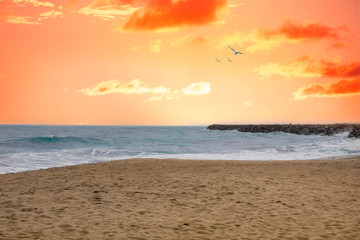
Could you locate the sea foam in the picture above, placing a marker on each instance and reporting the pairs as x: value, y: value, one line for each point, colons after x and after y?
x: 25, y: 148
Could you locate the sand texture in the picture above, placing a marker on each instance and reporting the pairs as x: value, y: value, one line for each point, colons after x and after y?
x: 184, y: 199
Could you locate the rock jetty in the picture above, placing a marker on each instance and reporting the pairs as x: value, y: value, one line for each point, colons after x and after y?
x: 302, y: 129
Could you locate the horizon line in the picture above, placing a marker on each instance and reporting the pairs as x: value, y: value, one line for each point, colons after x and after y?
x: 175, y: 125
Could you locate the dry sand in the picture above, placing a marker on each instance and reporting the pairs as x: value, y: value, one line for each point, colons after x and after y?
x: 184, y: 199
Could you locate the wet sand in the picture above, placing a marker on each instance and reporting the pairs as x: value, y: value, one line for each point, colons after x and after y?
x: 184, y: 199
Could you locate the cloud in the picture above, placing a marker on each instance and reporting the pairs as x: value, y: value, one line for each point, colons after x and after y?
x: 301, y: 31
x: 235, y: 5
x: 35, y: 3
x: 108, y: 9
x: 333, y: 69
x: 171, y: 95
x: 32, y: 21
x: 255, y: 43
x: 264, y: 40
x: 306, y: 67
x: 50, y: 14
x: 200, y: 88
x: 114, y: 86
x: 155, y: 46
x: 260, y: 44
x: 21, y: 20
x: 138, y: 87
x: 168, y: 14
x: 188, y: 39
x: 300, y: 67
x: 341, y: 88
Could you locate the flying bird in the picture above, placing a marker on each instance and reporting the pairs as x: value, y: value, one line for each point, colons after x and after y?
x: 217, y: 60
x: 229, y: 60
x: 236, y: 52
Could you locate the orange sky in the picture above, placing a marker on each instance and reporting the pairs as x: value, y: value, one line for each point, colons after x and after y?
x: 153, y: 62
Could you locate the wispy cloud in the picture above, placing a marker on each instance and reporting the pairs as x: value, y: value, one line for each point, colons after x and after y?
x: 341, y: 88
x: 50, y: 14
x: 32, y: 20
x: 199, y: 88
x: 167, y: 14
x: 263, y: 40
x: 235, y: 5
x: 115, y: 86
x: 107, y: 9
x: 300, y: 67
x: 188, y: 39
x: 35, y: 3
x: 307, y: 67
x: 22, y: 20
x: 302, y: 31
x: 138, y: 87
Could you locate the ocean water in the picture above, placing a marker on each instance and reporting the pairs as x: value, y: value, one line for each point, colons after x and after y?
x: 25, y: 147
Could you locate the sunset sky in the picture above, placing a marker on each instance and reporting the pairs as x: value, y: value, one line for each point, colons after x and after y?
x: 154, y: 62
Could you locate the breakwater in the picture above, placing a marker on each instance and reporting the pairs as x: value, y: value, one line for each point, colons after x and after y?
x: 302, y: 129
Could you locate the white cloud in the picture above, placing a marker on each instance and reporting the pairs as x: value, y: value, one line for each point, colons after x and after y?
x: 200, y: 88
x: 31, y: 21
x: 155, y: 98
x: 115, y: 86
x: 50, y: 14
x: 235, y: 5
x: 107, y: 11
x: 138, y: 87
x: 21, y: 20
x: 35, y: 3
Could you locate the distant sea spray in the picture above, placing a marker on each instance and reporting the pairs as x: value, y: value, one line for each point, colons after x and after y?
x: 30, y: 147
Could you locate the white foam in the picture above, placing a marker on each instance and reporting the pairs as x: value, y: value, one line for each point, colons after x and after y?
x: 194, y: 143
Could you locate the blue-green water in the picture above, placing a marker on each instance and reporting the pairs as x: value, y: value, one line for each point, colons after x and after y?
x: 28, y: 147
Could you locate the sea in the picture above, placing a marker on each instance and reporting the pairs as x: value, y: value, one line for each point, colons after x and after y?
x: 31, y: 147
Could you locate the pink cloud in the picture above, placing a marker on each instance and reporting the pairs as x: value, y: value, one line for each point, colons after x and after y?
x: 344, y: 87
x: 163, y: 14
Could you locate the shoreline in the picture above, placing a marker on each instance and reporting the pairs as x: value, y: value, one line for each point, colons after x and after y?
x: 184, y: 199
x: 179, y: 159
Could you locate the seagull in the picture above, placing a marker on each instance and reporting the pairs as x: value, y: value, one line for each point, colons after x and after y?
x: 229, y: 60
x: 236, y: 52
x: 217, y: 60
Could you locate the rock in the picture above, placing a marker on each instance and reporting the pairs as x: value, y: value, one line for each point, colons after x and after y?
x: 303, y: 129
x: 355, y: 132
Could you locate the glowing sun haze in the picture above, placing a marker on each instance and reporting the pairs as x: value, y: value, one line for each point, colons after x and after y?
x: 168, y: 62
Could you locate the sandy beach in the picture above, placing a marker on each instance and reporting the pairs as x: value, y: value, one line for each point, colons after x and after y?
x: 184, y: 199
